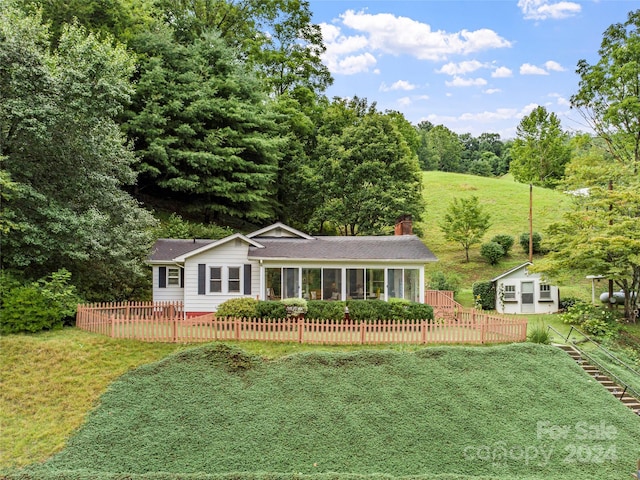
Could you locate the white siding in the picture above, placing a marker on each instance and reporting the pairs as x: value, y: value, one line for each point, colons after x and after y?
x: 231, y: 254
x: 514, y: 307
x: 172, y: 293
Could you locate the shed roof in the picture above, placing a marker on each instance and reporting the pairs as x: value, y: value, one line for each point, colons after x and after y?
x: 514, y: 269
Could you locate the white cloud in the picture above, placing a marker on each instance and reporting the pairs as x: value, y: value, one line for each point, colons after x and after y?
x: 554, y: 66
x: 461, y: 68
x: 353, y: 64
x: 339, y: 48
x: 404, y: 36
x: 466, y: 82
x: 502, y: 72
x: 528, y: 69
x: 491, y: 91
x: 546, y: 9
x: 404, y: 101
x: 399, y: 85
x: 560, y: 100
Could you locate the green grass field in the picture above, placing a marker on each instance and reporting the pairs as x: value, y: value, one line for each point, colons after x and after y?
x: 493, y: 411
x: 508, y: 204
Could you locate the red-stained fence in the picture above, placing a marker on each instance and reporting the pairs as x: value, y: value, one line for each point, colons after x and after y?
x: 166, y: 322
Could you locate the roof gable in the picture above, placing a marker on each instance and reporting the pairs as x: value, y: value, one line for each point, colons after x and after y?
x: 514, y: 269
x: 178, y: 250
x: 217, y: 243
x: 279, y: 230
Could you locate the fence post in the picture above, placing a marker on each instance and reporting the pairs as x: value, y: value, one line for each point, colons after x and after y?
x: 237, y: 328
x: 174, y: 322
x: 483, y: 332
x: 423, y: 331
x: 362, y: 331
x: 300, y: 329
x: 113, y: 326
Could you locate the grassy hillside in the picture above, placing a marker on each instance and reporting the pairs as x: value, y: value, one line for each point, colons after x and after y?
x: 52, y: 379
x: 467, y: 411
x: 508, y: 204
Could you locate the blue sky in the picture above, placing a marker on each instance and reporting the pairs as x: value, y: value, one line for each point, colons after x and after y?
x: 474, y: 66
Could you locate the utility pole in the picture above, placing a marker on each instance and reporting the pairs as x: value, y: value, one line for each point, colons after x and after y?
x: 531, y: 222
x: 610, y: 223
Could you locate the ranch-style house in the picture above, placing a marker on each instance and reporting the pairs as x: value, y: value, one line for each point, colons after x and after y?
x: 280, y: 262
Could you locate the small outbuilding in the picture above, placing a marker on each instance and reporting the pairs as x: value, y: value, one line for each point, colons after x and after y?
x: 520, y: 291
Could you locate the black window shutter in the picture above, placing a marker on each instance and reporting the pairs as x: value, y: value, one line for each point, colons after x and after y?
x: 162, y: 277
x: 202, y: 278
x: 247, y: 279
x: 182, y: 278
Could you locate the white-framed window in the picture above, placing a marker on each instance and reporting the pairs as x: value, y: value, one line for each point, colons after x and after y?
x: 545, y: 292
x: 215, y: 279
x: 509, y: 292
x: 234, y: 280
x: 173, y: 276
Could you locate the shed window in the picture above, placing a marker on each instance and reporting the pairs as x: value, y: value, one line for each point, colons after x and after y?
x: 509, y: 292
x: 545, y: 292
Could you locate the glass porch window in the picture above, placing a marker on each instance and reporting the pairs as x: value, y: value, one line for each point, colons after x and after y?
x: 355, y: 283
x: 412, y: 284
x: 311, y: 283
x: 331, y: 283
x: 395, y: 278
x: 375, y: 283
x: 291, y: 282
x: 273, y: 281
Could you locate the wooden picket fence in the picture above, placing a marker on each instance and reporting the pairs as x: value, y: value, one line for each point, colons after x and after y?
x: 167, y: 322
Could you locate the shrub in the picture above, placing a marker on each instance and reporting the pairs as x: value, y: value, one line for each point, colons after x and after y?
x: 539, y: 334
x: 567, y: 302
x: 271, y: 309
x: 492, y: 251
x: 485, y: 295
x: 324, y: 310
x: 506, y: 242
x: 245, y: 307
x: 295, y: 306
x: 440, y: 281
x: 591, y: 319
x: 537, y: 242
x: 43, y: 305
x: 366, y: 310
x: 401, y: 309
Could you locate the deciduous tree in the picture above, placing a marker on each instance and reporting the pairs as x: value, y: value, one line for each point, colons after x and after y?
x: 369, y: 174
x: 540, y: 151
x: 68, y: 159
x: 465, y: 222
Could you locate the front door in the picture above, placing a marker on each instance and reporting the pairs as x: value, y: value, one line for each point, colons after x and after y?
x: 527, y: 298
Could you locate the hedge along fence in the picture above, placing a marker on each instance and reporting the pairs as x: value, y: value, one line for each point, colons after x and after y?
x: 162, y: 323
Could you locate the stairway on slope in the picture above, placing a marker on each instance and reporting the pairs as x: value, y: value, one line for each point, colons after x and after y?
x: 615, y: 389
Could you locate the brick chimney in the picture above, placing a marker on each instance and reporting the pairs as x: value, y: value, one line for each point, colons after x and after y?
x: 404, y: 225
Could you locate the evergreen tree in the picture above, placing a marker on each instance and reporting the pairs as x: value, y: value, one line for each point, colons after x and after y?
x: 203, y: 129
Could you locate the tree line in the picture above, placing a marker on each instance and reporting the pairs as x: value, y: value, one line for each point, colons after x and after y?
x: 115, y: 113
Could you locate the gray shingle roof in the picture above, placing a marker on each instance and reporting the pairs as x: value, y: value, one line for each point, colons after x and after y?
x: 401, y: 247
x: 166, y: 249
